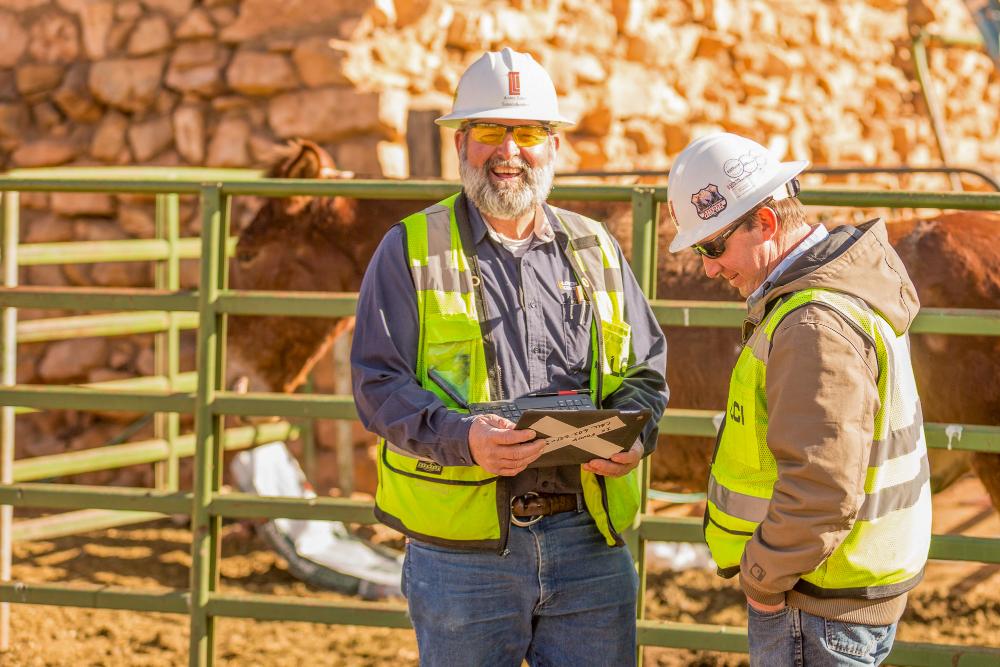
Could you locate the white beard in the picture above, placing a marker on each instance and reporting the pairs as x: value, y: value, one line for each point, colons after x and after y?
x: 511, y: 199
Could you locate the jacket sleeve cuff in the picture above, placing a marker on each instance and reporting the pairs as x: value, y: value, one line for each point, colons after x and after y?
x: 758, y: 595
x: 455, y: 438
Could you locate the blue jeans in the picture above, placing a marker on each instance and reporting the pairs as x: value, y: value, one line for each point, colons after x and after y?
x: 794, y: 637
x: 560, y: 597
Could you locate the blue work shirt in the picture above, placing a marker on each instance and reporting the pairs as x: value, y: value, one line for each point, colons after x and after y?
x: 542, y: 337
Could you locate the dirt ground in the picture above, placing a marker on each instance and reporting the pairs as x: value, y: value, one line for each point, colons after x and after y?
x: 958, y: 603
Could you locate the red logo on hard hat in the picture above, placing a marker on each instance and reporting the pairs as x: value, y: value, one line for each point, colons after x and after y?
x: 514, y: 83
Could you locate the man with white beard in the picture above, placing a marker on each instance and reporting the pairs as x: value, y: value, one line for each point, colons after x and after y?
x: 491, y: 295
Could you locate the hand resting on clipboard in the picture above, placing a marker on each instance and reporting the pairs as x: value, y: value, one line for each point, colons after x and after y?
x: 574, y: 437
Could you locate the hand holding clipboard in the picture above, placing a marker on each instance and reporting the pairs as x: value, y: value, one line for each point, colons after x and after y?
x: 574, y: 437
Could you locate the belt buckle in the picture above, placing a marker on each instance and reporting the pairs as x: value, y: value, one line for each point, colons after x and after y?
x: 519, y: 522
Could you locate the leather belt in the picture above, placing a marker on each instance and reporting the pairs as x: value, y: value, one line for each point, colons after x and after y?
x: 529, y: 508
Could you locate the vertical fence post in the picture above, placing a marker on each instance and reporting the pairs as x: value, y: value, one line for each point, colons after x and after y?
x: 8, y: 376
x: 205, y: 528
x: 307, y: 434
x: 345, y: 441
x: 167, y: 344
x: 645, y: 216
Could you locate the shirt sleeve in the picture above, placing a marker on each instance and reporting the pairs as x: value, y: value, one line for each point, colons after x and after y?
x: 822, y: 398
x: 389, y: 399
x: 645, y: 381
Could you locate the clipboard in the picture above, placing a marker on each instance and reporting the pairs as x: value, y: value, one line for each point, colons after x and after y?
x: 577, y: 436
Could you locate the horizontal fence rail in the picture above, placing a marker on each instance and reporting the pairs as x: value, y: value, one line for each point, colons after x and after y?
x: 130, y: 250
x: 669, y: 312
x: 207, y: 309
x: 675, y: 421
x: 377, y: 189
x: 82, y: 298
x: 143, y: 451
x: 109, y: 324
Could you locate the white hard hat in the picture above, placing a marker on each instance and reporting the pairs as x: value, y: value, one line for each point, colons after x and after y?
x: 505, y: 84
x: 718, y: 178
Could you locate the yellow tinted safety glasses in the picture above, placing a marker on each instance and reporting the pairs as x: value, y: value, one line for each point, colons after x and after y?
x: 492, y: 134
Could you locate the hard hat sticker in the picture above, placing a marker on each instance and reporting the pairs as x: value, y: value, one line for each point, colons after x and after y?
x: 514, y: 83
x: 742, y: 169
x: 708, y: 202
x: 513, y: 97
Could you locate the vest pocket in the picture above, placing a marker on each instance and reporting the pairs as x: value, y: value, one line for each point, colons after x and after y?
x: 624, y: 498
x: 726, y: 543
x: 455, y: 503
x: 449, y: 348
x: 739, y: 442
x: 617, y: 346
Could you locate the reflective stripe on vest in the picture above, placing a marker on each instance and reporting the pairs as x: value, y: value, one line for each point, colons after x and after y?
x: 460, y: 505
x: 885, y: 552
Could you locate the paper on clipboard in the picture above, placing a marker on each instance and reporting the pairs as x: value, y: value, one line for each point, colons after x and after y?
x: 577, y: 436
x: 585, y: 437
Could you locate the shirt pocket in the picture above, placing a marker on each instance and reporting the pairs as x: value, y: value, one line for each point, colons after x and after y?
x: 576, y: 321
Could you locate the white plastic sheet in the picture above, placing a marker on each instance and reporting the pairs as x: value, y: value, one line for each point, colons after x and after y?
x: 323, y: 553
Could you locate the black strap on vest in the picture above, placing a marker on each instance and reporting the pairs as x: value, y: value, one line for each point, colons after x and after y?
x: 503, y: 484
x: 493, y: 372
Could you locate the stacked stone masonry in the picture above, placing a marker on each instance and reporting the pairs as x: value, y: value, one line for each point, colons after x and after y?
x: 227, y: 82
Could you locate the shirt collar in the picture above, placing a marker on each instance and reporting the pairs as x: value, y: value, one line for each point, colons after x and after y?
x: 543, y: 230
x: 817, y: 234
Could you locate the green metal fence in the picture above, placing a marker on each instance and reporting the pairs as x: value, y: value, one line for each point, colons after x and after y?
x: 166, y: 309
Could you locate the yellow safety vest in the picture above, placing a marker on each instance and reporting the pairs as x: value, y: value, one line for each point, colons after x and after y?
x: 885, y: 552
x: 466, y: 506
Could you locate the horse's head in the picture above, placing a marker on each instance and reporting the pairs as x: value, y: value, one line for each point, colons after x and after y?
x: 303, y: 243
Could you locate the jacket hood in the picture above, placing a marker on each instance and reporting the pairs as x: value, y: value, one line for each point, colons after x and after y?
x: 854, y: 260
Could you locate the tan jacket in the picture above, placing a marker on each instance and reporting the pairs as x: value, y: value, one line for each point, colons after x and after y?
x: 822, y: 400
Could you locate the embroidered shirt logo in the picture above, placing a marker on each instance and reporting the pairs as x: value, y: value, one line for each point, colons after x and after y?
x: 513, y: 83
x: 708, y: 202
x: 430, y: 467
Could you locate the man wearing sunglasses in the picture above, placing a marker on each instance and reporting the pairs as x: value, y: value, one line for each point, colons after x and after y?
x: 819, y: 495
x: 490, y: 295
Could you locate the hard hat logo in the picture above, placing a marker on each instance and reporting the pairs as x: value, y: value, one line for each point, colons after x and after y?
x: 513, y: 83
x: 708, y: 202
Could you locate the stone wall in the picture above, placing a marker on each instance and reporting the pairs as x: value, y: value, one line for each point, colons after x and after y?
x: 220, y: 82
x: 226, y: 82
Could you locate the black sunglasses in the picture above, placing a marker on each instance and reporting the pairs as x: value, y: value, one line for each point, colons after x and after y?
x: 713, y: 249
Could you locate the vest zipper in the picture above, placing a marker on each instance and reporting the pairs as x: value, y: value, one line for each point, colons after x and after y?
x: 601, y: 482
x: 502, y: 550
